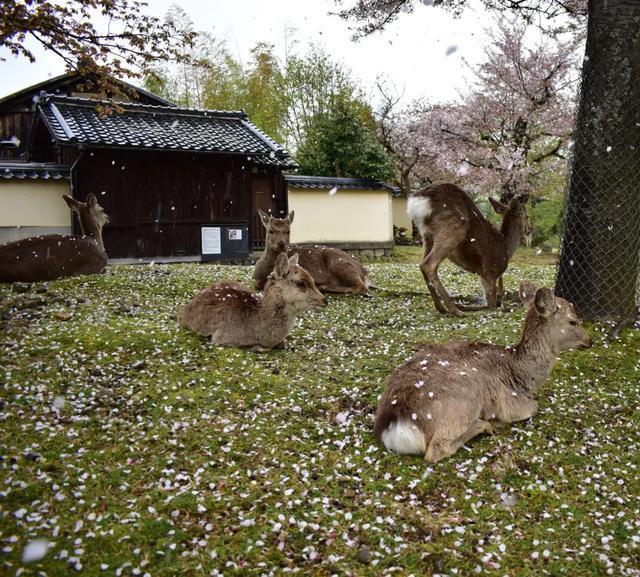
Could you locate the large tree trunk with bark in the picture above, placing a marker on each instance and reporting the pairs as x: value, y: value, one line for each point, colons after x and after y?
x: 600, y: 254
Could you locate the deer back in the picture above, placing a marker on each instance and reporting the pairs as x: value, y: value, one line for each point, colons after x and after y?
x: 49, y: 257
x: 232, y: 315
x: 226, y: 311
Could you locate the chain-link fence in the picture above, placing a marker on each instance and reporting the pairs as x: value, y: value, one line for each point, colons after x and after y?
x: 599, y: 262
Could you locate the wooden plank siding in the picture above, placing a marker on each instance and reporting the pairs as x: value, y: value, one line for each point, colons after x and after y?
x: 15, y: 123
x: 158, y: 201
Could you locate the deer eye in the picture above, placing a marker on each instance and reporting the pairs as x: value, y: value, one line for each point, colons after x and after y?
x: 301, y: 284
x: 573, y: 323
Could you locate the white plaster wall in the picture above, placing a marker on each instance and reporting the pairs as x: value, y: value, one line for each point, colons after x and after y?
x: 346, y: 216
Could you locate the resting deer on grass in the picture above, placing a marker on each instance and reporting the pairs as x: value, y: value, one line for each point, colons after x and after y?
x: 333, y: 270
x: 55, y: 255
x: 232, y: 315
x: 449, y: 393
x: 453, y: 227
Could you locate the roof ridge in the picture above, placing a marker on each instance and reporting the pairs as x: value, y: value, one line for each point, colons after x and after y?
x: 151, y: 108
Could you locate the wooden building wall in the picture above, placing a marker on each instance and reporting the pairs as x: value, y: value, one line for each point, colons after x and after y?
x: 158, y: 201
x: 15, y: 123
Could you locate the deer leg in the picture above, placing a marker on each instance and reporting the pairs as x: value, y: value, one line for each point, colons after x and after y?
x: 491, y: 296
x: 520, y: 410
x: 429, y: 268
x: 438, y: 449
x: 348, y: 277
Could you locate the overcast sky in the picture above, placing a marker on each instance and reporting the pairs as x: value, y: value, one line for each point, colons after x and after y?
x: 422, y: 54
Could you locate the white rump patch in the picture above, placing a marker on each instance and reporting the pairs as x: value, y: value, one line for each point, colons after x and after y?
x: 419, y: 208
x: 404, y: 438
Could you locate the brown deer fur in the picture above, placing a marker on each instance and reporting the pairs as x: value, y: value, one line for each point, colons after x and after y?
x: 232, y: 315
x: 53, y: 256
x: 449, y: 393
x: 333, y: 270
x: 453, y: 227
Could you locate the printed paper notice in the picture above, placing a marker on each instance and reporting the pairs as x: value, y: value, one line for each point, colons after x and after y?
x: 235, y: 234
x: 211, y: 240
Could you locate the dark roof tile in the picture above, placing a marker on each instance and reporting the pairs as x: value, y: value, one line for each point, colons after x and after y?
x: 77, y: 121
x: 328, y: 182
x: 33, y: 171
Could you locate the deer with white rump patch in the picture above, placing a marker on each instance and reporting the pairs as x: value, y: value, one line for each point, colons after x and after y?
x: 453, y: 227
x: 53, y: 256
x: 449, y: 393
x: 333, y: 270
x: 232, y: 315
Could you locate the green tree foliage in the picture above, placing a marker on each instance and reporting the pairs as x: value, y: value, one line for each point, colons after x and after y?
x: 339, y: 142
x: 310, y: 102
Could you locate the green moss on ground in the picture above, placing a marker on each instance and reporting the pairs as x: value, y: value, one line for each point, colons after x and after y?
x: 222, y: 461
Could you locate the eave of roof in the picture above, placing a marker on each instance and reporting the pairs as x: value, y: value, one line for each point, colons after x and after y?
x: 33, y: 171
x: 329, y: 182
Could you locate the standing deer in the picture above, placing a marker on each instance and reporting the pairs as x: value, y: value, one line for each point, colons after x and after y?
x: 55, y: 255
x: 453, y: 227
x: 232, y: 315
x: 333, y: 270
x: 449, y: 393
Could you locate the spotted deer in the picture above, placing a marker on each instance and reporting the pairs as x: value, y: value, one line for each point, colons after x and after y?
x: 449, y: 393
x: 232, y: 315
x: 333, y: 270
x: 52, y: 256
x: 453, y: 227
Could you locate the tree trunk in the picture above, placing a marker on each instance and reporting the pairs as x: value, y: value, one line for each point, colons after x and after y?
x: 600, y: 255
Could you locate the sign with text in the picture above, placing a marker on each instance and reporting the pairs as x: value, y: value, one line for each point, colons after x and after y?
x: 225, y: 241
x: 211, y: 240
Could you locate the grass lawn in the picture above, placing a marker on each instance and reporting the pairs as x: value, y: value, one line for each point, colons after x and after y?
x: 137, y: 448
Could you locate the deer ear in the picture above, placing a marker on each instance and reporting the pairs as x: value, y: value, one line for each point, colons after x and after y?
x: 264, y: 217
x: 527, y: 291
x: 545, y: 302
x: 293, y: 259
x: 291, y: 215
x: 92, y: 201
x: 72, y: 202
x: 498, y: 206
x: 282, y: 266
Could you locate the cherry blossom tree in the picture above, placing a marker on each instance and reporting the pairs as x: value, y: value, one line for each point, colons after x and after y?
x: 512, y: 125
x: 517, y: 118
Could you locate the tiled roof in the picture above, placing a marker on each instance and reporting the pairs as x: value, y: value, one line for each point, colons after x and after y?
x: 33, y: 171
x: 329, y: 182
x: 77, y: 121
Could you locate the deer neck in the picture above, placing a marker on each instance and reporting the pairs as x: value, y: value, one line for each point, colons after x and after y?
x: 533, y: 358
x: 275, y: 317
x: 265, y: 264
x: 511, y: 232
x: 92, y: 230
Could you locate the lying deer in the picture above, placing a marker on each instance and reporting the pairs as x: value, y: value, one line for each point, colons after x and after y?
x: 453, y: 227
x: 333, y: 270
x: 54, y: 255
x: 232, y: 315
x: 449, y: 393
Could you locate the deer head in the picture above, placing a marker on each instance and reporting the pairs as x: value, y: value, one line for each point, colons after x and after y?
x: 91, y: 215
x: 514, y: 214
x: 278, y: 231
x: 554, y: 316
x: 296, y: 285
